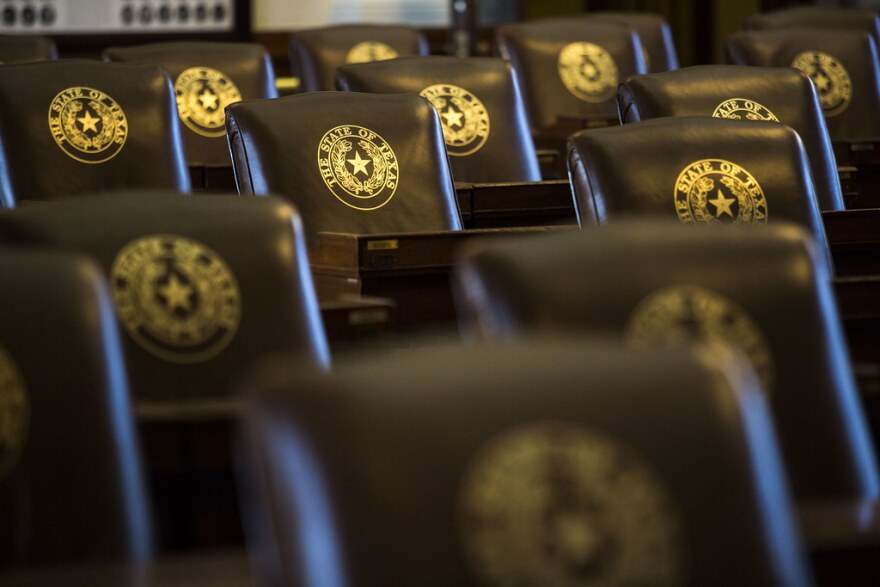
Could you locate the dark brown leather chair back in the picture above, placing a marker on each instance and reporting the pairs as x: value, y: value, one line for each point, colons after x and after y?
x: 842, y: 64
x: 570, y: 68
x: 655, y: 34
x: 697, y: 170
x: 762, y: 290
x: 524, y: 464
x: 741, y: 93
x: 350, y: 162
x: 73, y: 127
x: 26, y: 49
x: 203, y: 287
x: 207, y: 77
x: 316, y: 53
x: 819, y: 18
x: 71, y: 487
x: 481, y: 109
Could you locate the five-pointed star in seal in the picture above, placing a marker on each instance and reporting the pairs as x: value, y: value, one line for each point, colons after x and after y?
x: 722, y: 205
x: 176, y: 294
x: 452, y: 117
x: 88, y: 122
x: 208, y: 99
x: 822, y: 82
x: 359, y: 164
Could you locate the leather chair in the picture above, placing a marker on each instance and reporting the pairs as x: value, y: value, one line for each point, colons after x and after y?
x: 204, y: 287
x: 762, y: 290
x: 316, y: 53
x: 819, y: 18
x: 73, y: 127
x: 26, y: 49
x: 655, y: 34
x: 842, y: 64
x: 71, y: 487
x: 480, y: 106
x: 207, y: 77
x: 350, y: 162
x: 549, y: 468
x: 570, y: 68
x: 742, y: 93
x: 697, y: 170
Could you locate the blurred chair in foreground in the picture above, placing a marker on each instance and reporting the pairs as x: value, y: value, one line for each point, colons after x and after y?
x: 741, y: 93
x: 203, y: 289
x: 551, y: 467
x: 26, y: 49
x: 75, y: 127
x: 71, y: 487
x: 207, y: 77
x: 350, y: 162
x: 762, y: 290
x: 480, y: 106
x: 316, y: 53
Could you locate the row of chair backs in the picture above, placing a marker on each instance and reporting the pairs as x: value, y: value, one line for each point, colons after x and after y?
x: 315, y: 54
x: 206, y: 78
x: 440, y: 478
x: 480, y: 106
x: 723, y: 91
x: 764, y: 291
x: 842, y: 64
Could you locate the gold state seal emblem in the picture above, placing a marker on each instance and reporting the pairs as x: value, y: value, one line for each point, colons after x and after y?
x: 358, y: 166
x: 14, y: 414
x: 87, y: 124
x: 370, y: 51
x: 718, y: 191
x: 588, y: 72
x: 552, y: 503
x: 464, y: 118
x: 742, y: 109
x: 176, y: 297
x: 831, y: 79
x: 681, y: 314
x: 202, y: 96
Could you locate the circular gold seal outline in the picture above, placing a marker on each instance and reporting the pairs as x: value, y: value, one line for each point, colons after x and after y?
x: 367, y: 51
x: 743, y: 109
x: 202, y: 95
x: 87, y: 124
x: 358, y: 166
x: 830, y: 77
x: 464, y: 118
x: 588, y: 71
x: 14, y: 414
x: 718, y: 191
x: 680, y: 314
x: 177, y: 298
x: 555, y: 503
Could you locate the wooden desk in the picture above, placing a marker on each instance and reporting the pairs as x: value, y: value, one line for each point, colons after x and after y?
x: 501, y: 205
x: 413, y: 269
x: 859, y: 169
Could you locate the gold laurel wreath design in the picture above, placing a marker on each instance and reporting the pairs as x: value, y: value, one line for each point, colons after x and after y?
x: 347, y: 179
x: 746, y: 205
x: 77, y: 137
x: 703, y: 186
x: 467, y: 133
